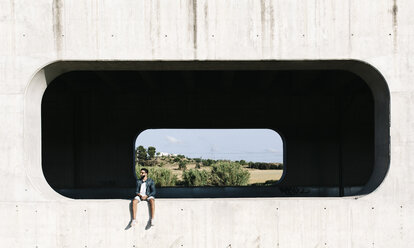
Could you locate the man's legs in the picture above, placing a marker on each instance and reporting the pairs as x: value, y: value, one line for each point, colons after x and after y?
x: 152, y: 204
x: 134, y: 208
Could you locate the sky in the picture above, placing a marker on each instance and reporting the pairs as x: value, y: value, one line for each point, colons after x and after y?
x: 256, y: 145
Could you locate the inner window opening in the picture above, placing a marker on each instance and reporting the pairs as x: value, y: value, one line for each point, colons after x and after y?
x: 210, y: 157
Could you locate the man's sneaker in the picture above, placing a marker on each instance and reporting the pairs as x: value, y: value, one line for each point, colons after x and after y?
x: 152, y: 222
x: 133, y: 222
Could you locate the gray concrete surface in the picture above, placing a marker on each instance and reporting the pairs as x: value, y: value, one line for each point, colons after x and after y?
x: 37, y: 33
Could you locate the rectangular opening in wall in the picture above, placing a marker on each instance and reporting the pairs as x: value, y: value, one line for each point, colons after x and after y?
x: 210, y: 157
x: 333, y: 117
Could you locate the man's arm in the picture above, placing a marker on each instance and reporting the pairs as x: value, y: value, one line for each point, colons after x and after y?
x: 152, y: 189
x: 138, y: 189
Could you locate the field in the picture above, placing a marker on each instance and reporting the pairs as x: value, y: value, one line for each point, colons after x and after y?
x: 261, y: 176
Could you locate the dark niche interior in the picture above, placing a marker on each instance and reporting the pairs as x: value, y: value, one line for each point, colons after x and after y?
x: 327, y: 119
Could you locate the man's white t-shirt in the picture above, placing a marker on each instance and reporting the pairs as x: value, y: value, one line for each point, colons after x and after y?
x: 143, y: 190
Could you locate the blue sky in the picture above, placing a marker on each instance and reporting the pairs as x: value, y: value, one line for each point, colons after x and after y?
x: 257, y: 145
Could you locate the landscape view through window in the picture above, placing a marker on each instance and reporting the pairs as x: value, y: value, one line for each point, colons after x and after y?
x: 210, y: 157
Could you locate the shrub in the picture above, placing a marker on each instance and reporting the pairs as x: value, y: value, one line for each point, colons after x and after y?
x: 207, y: 162
x: 177, y: 159
x: 229, y: 174
x: 198, y: 160
x: 267, y: 183
x: 179, y: 183
x: 266, y: 166
x: 195, y: 177
x: 148, y: 163
x: 161, y: 176
x: 198, y: 166
x: 182, y: 165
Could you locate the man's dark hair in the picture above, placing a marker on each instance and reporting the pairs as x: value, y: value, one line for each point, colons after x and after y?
x: 144, y: 169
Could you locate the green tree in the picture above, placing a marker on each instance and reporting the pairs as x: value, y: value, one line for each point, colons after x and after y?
x: 195, y: 177
x: 229, y: 174
x: 142, y: 153
x: 151, y: 152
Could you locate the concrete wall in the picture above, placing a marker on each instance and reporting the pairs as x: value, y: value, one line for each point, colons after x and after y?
x: 37, y: 33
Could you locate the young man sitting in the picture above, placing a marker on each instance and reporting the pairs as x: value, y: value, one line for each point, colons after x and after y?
x: 145, y: 192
